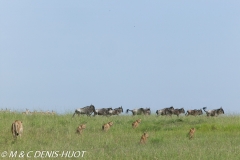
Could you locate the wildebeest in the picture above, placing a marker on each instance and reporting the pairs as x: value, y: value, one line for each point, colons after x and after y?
x: 214, y: 112
x: 103, y: 111
x: 80, y: 128
x: 178, y: 111
x: 147, y: 111
x: 17, y: 128
x: 136, y: 123
x: 107, y: 126
x: 88, y: 110
x: 140, y: 111
x: 116, y: 111
x: 194, y: 112
x: 165, y: 111
x: 144, y: 138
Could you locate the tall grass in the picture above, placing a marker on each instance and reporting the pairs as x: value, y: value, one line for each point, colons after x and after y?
x: 215, y: 137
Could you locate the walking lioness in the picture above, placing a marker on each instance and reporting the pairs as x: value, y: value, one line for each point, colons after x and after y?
x: 191, y: 133
x: 17, y: 129
x: 144, y: 138
x: 136, y: 123
x: 106, y: 126
x: 80, y: 128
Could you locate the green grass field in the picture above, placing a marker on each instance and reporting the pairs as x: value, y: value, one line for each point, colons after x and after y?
x: 215, y: 137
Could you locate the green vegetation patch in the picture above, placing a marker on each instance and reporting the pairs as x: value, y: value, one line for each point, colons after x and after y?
x: 215, y: 137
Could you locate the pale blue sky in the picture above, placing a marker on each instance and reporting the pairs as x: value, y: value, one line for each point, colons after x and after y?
x: 61, y: 55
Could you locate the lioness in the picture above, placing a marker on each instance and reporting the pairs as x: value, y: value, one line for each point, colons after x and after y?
x: 191, y: 133
x: 136, y: 123
x: 80, y: 128
x: 106, y: 126
x: 17, y: 128
x: 144, y: 138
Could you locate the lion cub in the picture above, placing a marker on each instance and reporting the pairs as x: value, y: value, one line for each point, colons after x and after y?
x: 17, y: 128
x: 136, y: 123
x: 107, y: 126
x: 144, y: 138
x: 191, y: 133
x: 80, y: 128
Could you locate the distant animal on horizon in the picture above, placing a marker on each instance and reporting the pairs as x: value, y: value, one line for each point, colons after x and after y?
x: 140, y: 111
x: 26, y: 112
x: 50, y: 113
x: 165, y: 111
x: 6, y: 110
x: 17, y: 129
x: 191, y: 133
x: 144, y: 138
x: 103, y: 111
x: 80, y: 128
x: 53, y: 113
x: 178, y: 111
x: 214, y: 112
x: 194, y: 112
x: 88, y: 110
x: 116, y: 111
x: 136, y: 123
x: 107, y: 126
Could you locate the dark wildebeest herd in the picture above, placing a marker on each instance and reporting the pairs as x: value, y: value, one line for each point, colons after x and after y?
x: 17, y: 127
x: 88, y: 110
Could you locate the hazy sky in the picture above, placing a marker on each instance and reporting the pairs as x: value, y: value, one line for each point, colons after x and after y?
x: 62, y: 55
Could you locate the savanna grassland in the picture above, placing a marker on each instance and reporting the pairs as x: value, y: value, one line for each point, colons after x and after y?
x: 215, y: 137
